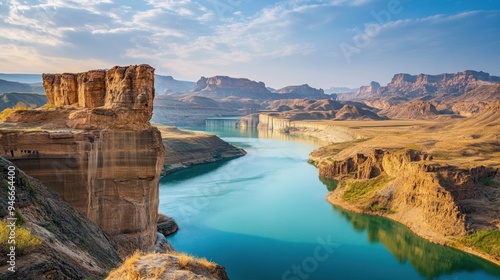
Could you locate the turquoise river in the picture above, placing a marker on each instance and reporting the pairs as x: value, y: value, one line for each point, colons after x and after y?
x: 265, y: 216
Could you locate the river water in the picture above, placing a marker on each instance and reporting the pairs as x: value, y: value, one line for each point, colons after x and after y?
x: 265, y: 216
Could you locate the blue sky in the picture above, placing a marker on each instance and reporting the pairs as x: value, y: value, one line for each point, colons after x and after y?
x: 323, y: 43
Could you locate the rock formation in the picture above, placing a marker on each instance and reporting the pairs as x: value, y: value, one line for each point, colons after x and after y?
x: 167, y: 266
x: 352, y: 112
x: 222, y: 87
x: 302, y: 91
x: 121, y: 97
x: 72, y: 247
x: 96, y: 149
x: 424, y: 195
x: 440, y: 86
x: 414, y: 110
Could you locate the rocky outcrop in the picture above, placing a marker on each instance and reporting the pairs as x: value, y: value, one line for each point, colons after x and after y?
x: 121, y: 97
x: 72, y: 247
x: 414, y: 110
x: 431, y: 199
x: 352, y: 112
x: 167, y: 266
x: 166, y: 225
x: 219, y: 87
x: 185, y: 148
x: 100, y: 154
x: 302, y: 91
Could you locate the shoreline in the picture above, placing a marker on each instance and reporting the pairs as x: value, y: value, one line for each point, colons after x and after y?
x: 436, y: 239
x: 334, y: 197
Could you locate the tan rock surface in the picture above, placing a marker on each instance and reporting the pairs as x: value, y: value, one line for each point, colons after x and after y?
x: 96, y: 149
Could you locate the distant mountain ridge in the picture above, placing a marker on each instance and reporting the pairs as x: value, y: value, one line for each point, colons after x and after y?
x: 167, y: 84
x: 425, y: 86
x: 22, y: 78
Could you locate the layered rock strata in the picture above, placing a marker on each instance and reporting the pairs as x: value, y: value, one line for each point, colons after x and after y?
x: 72, y: 247
x: 433, y: 200
x: 96, y: 149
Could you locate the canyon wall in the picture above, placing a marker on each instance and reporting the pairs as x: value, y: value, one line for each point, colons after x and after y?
x: 96, y: 149
x: 422, y: 194
x: 72, y: 247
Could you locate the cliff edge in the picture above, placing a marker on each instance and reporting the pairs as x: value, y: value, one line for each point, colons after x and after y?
x: 63, y: 243
x: 94, y: 146
x: 442, y: 203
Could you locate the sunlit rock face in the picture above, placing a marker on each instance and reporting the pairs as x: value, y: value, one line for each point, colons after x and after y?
x: 96, y: 149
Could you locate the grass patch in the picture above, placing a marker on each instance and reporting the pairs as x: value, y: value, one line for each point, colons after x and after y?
x: 128, y: 269
x: 486, y: 241
x: 18, y: 107
x: 363, y: 190
x: 185, y: 259
x: 381, y: 208
x: 25, y: 242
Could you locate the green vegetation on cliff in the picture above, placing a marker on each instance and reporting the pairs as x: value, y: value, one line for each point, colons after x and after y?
x: 487, y: 241
x: 366, y: 189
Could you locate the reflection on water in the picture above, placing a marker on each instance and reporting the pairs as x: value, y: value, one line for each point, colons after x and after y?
x: 330, y: 184
x: 430, y: 260
x: 269, y: 208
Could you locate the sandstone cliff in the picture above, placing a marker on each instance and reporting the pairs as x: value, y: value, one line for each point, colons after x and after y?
x: 96, y: 149
x: 72, y: 247
x: 121, y: 97
x: 436, y: 201
x: 219, y: 87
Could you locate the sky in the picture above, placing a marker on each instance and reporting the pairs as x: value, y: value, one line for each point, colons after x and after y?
x: 325, y: 43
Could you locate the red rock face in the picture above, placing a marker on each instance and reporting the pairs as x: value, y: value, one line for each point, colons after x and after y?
x: 223, y: 86
x: 129, y: 87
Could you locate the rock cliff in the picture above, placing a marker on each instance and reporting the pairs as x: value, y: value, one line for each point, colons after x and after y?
x: 302, y: 91
x: 121, y: 97
x: 96, y: 149
x: 72, y: 247
x: 434, y: 200
x: 222, y: 87
x: 430, y: 86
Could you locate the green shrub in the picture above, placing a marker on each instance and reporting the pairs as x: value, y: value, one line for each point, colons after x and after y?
x: 7, y: 111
